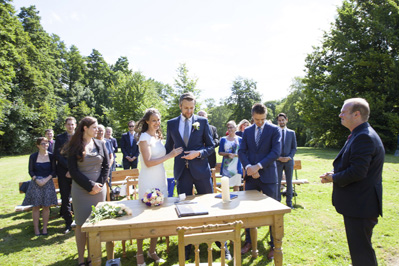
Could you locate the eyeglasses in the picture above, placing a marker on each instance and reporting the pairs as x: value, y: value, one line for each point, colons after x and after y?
x: 230, y: 127
x: 44, y: 143
x: 131, y: 126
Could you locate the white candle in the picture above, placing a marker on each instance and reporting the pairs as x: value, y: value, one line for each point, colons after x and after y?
x: 225, y: 189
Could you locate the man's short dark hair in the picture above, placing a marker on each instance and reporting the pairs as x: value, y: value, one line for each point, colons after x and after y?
x: 188, y: 96
x: 258, y: 108
x: 73, y: 119
x: 282, y: 114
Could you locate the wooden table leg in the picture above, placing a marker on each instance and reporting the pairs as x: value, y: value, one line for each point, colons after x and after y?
x: 94, y: 248
x: 278, y: 233
x: 110, y: 250
x: 254, y: 241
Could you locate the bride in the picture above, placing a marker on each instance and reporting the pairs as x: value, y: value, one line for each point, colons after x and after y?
x: 152, y: 173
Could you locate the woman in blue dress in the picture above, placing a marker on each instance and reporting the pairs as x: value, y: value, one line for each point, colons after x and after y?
x: 41, y: 192
x: 228, y: 148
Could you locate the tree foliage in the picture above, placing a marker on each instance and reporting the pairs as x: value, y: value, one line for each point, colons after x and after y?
x: 358, y: 58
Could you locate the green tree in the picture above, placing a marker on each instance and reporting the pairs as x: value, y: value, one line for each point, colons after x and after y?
x: 218, y: 116
x: 183, y: 83
x: 243, y: 95
x: 358, y: 58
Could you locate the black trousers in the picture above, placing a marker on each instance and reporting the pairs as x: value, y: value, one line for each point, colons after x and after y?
x: 358, y: 234
x: 129, y: 165
x: 65, y: 185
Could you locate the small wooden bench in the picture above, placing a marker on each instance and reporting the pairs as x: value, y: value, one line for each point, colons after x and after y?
x: 22, y: 208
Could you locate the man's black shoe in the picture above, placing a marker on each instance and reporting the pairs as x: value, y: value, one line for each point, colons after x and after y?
x: 67, y: 229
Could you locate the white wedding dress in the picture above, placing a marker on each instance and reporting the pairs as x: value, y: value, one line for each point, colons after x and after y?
x: 155, y: 176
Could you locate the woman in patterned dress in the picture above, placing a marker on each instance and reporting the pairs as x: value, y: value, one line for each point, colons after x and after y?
x: 41, y: 191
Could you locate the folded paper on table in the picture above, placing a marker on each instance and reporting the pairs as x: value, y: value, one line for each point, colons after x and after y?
x: 190, y: 209
x: 232, y: 196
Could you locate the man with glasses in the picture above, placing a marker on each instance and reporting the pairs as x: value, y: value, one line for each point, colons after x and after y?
x: 129, y: 148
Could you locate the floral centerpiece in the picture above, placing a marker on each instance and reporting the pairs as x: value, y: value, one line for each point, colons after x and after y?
x: 108, y: 210
x: 153, y: 197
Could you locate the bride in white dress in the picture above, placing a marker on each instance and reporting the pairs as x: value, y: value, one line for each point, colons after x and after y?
x: 152, y: 172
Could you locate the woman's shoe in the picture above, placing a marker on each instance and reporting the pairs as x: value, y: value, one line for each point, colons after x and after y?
x: 140, y: 264
x: 152, y: 255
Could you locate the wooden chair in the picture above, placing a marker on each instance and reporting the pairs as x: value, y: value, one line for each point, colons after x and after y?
x: 121, y: 177
x: 215, y: 173
x: 209, y: 234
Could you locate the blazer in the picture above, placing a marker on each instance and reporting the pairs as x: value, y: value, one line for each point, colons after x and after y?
x: 62, y: 161
x: 290, y: 146
x: 32, y: 162
x: 80, y: 178
x: 357, y: 178
x: 215, y: 137
x: 127, y: 149
x: 266, y: 153
x: 200, y: 140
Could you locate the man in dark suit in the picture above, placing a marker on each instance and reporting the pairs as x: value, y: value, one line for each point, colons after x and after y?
x: 286, y: 160
x: 192, y: 133
x: 357, y: 181
x: 49, y: 134
x: 215, y: 137
x: 64, y: 178
x: 259, y: 150
x: 129, y: 148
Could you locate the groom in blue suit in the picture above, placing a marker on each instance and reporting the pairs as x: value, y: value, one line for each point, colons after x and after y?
x: 259, y: 150
x: 193, y: 134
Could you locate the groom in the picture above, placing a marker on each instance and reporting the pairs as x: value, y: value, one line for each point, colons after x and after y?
x: 193, y: 134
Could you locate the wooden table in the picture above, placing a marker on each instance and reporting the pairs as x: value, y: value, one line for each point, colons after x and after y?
x: 252, y: 207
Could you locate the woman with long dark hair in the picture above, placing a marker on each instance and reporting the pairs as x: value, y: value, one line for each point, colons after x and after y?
x: 88, y: 163
x: 152, y: 173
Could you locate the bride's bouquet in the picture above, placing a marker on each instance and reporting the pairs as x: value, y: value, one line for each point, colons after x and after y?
x: 153, y: 197
x: 108, y: 211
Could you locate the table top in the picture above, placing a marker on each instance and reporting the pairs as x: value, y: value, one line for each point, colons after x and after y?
x: 248, y: 204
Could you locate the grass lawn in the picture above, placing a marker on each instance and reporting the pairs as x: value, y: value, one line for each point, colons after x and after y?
x: 314, y: 232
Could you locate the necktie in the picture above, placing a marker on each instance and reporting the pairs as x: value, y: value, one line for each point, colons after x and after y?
x: 282, y: 141
x: 186, y: 132
x: 259, y: 132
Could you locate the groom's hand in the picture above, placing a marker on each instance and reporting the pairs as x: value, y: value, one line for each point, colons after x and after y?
x: 191, y: 155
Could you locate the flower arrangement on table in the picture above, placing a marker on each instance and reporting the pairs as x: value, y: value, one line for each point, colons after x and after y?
x: 108, y: 211
x: 153, y: 197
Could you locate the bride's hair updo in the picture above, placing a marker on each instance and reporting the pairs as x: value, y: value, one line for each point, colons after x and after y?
x: 142, y: 125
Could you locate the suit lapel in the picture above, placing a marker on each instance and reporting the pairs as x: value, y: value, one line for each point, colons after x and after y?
x: 177, y: 126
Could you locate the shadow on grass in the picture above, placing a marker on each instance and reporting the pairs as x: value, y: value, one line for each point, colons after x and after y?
x: 19, y: 236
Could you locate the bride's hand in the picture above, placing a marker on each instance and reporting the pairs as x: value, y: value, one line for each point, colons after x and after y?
x: 176, y: 152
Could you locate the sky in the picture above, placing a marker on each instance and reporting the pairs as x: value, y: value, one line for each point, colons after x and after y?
x: 218, y: 40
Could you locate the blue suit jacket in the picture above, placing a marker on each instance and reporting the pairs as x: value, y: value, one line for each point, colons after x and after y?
x: 266, y: 153
x: 290, y: 145
x: 127, y: 149
x: 357, y: 189
x: 200, y: 140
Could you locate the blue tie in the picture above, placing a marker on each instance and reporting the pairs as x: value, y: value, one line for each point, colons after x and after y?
x: 259, y: 132
x: 186, y: 132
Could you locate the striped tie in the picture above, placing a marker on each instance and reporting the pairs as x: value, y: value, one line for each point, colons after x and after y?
x: 259, y: 132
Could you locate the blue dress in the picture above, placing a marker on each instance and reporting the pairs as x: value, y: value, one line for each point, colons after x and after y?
x: 41, y: 195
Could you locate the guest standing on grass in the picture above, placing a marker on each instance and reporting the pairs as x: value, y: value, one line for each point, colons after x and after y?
x: 41, y: 191
x: 64, y: 178
x: 108, y: 135
x: 231, y: 165
x: 49, y: 134
x: 88, y: 162
x: 129, y: 148
x: 357, y: 181
x: 152, y: 173
x: 241, y: 127
x: 259, y: 150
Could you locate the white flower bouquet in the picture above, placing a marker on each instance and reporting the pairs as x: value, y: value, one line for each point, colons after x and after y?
x: 153, y: 197
x: 108, y: 210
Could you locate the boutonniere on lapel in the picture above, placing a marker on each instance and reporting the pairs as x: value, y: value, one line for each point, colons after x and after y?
x: 196, y: 126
